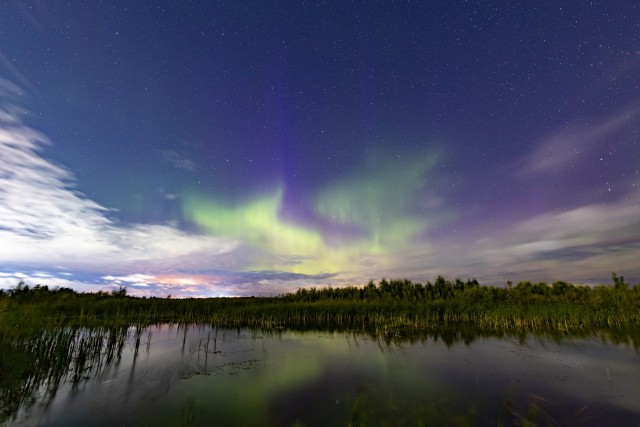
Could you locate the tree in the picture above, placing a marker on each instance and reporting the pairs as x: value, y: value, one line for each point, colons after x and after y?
x: 619, y: 282
x: 120, y: 293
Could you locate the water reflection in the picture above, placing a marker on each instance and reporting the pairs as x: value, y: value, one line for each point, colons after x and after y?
x: 203, y: 375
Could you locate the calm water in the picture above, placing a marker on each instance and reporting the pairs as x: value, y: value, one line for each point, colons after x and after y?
x: 171, y: 376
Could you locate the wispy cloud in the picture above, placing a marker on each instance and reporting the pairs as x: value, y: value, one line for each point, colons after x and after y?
x: 178, y: 161
x: 54, y: 235
x: 9, y: 280
x: 582, y: 244
x: 571, y: 144
x: 132, y: 278
x: 138, y: 280
x: 45, y: 220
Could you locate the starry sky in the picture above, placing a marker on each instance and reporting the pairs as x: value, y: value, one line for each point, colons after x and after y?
x: 214, y: 148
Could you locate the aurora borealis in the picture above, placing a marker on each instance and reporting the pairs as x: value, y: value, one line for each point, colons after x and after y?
x: 251, y: 148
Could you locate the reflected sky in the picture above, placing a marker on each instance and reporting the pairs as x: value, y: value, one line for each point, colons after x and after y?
x: 204, y: 376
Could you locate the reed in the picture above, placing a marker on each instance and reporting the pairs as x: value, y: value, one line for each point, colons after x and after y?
x: 397, y: 307
x: 33, y: 364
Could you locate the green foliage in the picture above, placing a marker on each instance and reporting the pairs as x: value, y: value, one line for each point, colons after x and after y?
x: 389, y: 307
x: 619, y: 282
x: 120, y: 293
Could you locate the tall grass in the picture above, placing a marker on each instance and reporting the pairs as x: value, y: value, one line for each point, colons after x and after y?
x: 35, y: 362
x: 387, y: 308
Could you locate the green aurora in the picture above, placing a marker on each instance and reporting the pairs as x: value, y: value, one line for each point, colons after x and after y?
x: 379, y: 207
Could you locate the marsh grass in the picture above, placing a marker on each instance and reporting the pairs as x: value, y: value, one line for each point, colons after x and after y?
x: 390, y: 308
x: 35, y: 363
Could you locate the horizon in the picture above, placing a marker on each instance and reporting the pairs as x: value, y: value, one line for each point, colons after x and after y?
x: 254, y: 149
x: 123, y: 290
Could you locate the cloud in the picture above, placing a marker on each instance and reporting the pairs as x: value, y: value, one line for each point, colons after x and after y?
x: 9, y: 280
x: 571, y: 144
x: 367, y: 225
x: 215, y: 283
x: 178, y: 161
x: 45, y: 220
x: 50, y: 230
x: 132, y: 278
x: 581, y: 244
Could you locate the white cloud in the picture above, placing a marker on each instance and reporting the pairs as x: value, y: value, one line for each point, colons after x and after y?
x: 132, y: 278
x: 42, y: 274
x: 579, y: 244
x: 571, y: 144
x: 10, y: 280
x: 45, y: 221
x: 140, y: 284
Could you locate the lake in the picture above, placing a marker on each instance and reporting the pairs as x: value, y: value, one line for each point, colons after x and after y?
x: 171, y: 375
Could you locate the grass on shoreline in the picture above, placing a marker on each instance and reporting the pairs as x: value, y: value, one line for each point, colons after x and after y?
x: 387, y: 308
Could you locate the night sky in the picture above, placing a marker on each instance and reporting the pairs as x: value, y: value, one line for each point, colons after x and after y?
x: 254, y: 147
